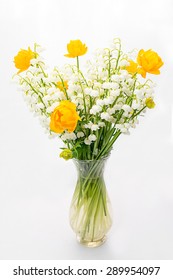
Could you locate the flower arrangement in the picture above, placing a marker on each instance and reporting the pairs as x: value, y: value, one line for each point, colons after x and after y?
x: 89, y: 109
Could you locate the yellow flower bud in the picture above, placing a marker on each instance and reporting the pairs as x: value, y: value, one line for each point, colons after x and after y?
x: 149, y: 103
x: 132, y: 67
x: 63, y: 86
x: 66, y: 154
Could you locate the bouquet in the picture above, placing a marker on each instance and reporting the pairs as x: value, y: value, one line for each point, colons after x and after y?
x: 89, y: 109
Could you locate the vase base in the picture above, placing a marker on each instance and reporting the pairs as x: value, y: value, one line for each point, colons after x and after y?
x: 91, y: 244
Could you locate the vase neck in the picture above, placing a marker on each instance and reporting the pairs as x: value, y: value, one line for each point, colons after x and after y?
x: 90, y: 168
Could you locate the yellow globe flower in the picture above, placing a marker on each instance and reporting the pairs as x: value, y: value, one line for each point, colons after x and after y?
x: 23, y: 58
x: 76, y: 48
x: 150, y: 103
x: 150, y: 62
x: 64, y: 117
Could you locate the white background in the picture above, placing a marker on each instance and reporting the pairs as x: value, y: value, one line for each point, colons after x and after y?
x: 36, y: 186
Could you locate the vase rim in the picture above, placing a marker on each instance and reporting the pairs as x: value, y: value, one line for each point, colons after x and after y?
x: 92, y: 160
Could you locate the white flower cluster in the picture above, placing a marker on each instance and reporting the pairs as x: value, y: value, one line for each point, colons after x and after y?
x: 107, y: 96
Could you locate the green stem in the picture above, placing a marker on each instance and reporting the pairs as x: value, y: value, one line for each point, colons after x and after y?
x: 106, y: 148
x: 45, y: 75
x: 119, y: 54
x: 94, y: 202
x: 83, y: 78
x: 85, y: 107
x: 95, y: 145
x: 77, y: 63
x: 62, y: 81
x: 133, y: 116
x: 109, y: 67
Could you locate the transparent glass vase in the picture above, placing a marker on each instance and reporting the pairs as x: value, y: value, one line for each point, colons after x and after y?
x: 90, y: 210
